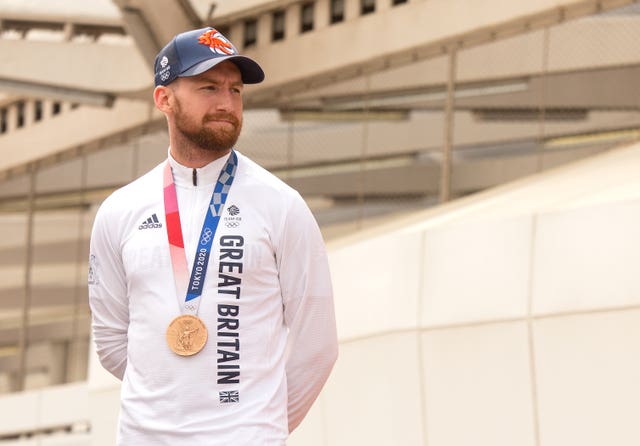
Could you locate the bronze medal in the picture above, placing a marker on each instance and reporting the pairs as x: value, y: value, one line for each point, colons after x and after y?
x: 186, y: 335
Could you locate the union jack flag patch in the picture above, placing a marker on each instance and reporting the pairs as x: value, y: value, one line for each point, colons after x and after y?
x: 230, y: 396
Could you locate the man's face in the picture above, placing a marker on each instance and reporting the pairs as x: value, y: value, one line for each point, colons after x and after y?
x: 208, y: 107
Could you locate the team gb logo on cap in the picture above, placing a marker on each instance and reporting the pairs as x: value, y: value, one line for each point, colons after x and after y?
x: 216, y: 42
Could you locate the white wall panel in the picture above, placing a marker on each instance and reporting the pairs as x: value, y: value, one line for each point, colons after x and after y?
x: 588, y: 372
x: 19, y: 412
x: 587, y: 258
x: 372, y: 395
x: 476, y: 270
x: 52, y: 408
x: 104, y: 408
x: 64, y: 405
x: 376, y: 284
x: 478, y: 386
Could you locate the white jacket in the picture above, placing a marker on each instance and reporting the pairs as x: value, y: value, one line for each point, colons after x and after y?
x: 267, y: 303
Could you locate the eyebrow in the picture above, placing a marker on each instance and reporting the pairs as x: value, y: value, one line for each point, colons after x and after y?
x: 210, y: 80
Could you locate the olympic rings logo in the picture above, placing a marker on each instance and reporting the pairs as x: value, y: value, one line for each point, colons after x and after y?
x: 206, y: 236
x: 190, y: 307
x: 232, y: 224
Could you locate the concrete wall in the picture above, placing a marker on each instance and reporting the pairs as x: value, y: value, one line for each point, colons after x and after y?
x: 493, y: 324
x: 53, y: 416
x: 511, y: 317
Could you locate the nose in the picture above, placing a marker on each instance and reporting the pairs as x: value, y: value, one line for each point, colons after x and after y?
x: 225, y: 100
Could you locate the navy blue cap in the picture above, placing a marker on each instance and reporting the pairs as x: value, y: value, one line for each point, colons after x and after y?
x: 194, y: 52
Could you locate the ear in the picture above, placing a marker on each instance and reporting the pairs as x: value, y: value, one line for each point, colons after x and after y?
x: 162, y: 96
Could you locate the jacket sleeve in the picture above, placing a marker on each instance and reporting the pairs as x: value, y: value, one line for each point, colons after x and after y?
x: 312, y: 345
x: 108, y: 295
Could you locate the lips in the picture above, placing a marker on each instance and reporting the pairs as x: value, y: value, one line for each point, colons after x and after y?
x: 229, y: 119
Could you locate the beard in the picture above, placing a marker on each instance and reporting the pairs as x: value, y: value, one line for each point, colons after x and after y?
x: 206, y: 138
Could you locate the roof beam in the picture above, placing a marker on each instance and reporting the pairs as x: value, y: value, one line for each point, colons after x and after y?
x: 152, y: 23
x: 73, y: 95
x: 324, y: 58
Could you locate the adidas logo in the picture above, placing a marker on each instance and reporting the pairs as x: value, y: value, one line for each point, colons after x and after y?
x: 150, y: 223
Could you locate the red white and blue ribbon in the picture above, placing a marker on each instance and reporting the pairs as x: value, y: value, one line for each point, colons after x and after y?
x: 192, y: 286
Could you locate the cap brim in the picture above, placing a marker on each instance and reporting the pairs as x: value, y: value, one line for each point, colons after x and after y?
x: 250, y: 71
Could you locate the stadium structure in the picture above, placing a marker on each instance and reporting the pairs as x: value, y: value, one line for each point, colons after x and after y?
x: 474, y: 166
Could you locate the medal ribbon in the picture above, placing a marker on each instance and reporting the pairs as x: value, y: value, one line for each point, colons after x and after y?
x: 194, y: 284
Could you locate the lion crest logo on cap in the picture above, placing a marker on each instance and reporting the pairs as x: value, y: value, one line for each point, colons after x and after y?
x: 216, y: 42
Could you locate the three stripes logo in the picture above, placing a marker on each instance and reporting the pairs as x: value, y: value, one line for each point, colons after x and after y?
x: 150, y: 223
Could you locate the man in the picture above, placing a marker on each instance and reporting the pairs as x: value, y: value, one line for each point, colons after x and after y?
x: 209, y: 282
